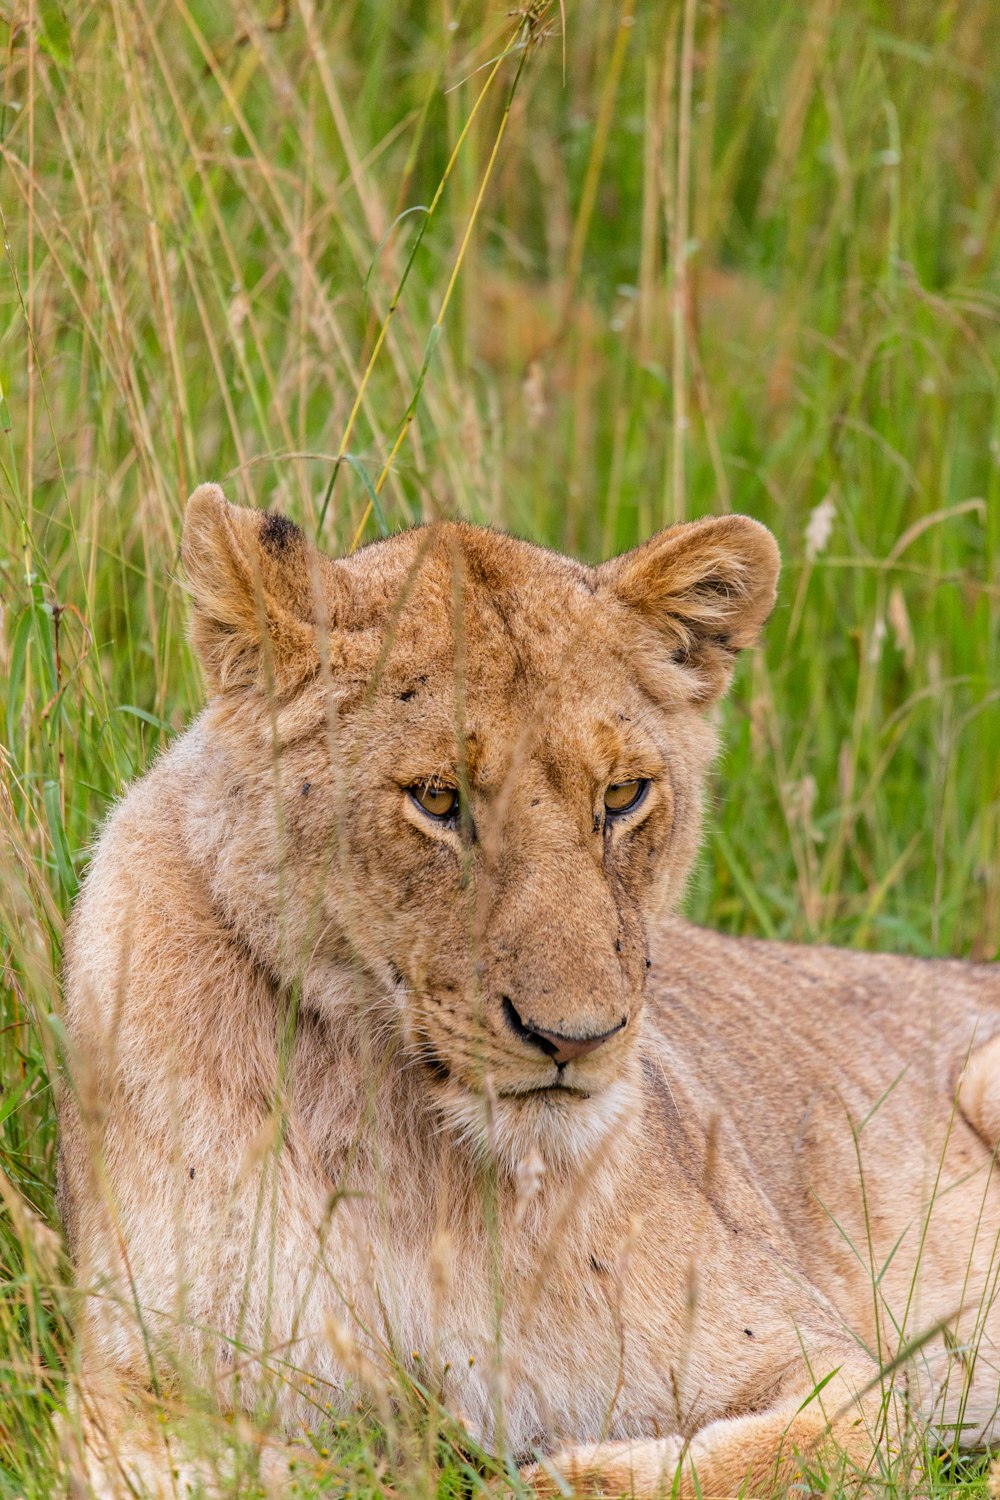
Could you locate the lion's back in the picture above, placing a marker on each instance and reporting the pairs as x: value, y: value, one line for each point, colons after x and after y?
x: 836, y: 1072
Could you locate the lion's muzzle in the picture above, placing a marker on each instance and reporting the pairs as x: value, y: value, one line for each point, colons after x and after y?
x: 561, y: 1048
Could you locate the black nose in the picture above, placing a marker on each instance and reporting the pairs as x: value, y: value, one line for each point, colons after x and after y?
x: 561, y: 1049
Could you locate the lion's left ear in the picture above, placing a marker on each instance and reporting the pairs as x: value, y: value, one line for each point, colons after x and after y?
x: 707, y: 587
x: 253, y: 581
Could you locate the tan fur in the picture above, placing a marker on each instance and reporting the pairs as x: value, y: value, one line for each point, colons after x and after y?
x: 300, y: 1130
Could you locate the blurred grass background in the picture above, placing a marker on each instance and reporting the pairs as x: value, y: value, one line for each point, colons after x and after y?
x: 669, y: 259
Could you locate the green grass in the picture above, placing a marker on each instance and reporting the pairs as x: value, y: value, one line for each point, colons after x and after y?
x: 209, y: 210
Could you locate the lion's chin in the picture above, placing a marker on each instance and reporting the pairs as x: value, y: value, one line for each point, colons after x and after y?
x: 565, y: 1127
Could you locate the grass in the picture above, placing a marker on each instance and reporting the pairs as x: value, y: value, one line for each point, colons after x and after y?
x: 387, y: 259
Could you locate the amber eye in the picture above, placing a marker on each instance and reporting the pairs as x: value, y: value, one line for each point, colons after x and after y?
x: 624, y: 795
x: 439, y: 802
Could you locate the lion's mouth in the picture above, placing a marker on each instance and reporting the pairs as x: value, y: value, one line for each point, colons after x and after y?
x: 441, y: 1073
x: 542, y: 1090
x: 434, y: 1063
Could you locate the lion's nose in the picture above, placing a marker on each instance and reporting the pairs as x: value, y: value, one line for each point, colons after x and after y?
x: 562, y: 1049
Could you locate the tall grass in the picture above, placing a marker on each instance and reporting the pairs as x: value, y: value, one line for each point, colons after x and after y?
x: 380, y: 260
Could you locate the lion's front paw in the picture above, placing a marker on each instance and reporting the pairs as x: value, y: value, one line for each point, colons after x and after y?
x: 607, y: 1469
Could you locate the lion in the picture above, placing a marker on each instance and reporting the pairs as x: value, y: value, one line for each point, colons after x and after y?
x: 383, y: 1035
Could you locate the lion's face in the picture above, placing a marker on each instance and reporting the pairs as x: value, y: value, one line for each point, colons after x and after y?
x: 479, y: 767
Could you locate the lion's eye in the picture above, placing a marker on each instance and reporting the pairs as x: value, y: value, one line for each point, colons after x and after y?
x: 440, y: 802
x: 624, y: 795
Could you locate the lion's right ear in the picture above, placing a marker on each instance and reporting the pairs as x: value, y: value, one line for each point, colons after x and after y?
x: 706, y: 587
x: 254, y: 581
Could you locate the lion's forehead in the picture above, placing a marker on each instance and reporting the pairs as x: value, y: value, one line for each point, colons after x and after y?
x: 502, y: 655
x: 543, y: 735
x: 507, y: 640
x: 433, y: 584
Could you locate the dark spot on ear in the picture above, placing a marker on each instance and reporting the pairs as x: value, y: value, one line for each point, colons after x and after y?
x: 714, y: 587
x: 277, y: 533
x: 191, y: 1173
x: 723, y: 643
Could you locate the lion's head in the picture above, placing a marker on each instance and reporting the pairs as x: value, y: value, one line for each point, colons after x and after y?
x: 466, y: 771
